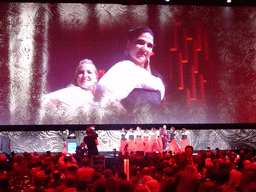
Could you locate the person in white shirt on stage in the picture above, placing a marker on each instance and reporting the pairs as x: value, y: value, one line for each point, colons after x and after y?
x: 165, y: 136
x: 146, y: 141
x: 159, y: 140
x: 173, y: 146
x: 131, y: 147
x: 123, y: 141
x: 133, y: 74
x: 153, y: 140
x: 138, y: 139
x: 184, y: 139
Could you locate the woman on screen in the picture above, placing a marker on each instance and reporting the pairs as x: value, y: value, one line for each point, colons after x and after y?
x: 131, y: 79
x: 72, y: 104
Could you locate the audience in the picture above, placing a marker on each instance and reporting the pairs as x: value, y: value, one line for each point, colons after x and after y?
x: 205, y: 172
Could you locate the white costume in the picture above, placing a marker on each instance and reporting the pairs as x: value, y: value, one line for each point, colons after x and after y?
x: 138, y: 140
x: 122, y: 78
x: 65, y: 105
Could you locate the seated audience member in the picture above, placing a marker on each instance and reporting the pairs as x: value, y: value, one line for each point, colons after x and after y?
x: 4, y: 184
x: 248, y: 175
x: 209, y: 187
x: 188, y: 158
x: 169, y: 180
x: 20, y: 167
x: 75, y: 100
x: 71, y: 183
x: 85, y: 172
x: 187, y: 182
x: 66, y: 160
x: 110, y: 182
x: 99, y: 186
x: 57, y: 181
x: 235, y: 177
x: 125, y: 186
x: 131, y: 81
x: 141, y: 188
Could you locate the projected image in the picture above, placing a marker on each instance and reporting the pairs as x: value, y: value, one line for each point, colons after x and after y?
x: 126, y: 64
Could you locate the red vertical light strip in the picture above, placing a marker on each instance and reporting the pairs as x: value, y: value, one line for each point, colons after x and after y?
x: 188, y: 97
x: 180, y: 70
x: 199, y: 38
x: 193, y: 83
x: 174, y: 40
x: 201, y: 88
x: 205, y: 45
x: 195, y: 57
x: 185, y: 46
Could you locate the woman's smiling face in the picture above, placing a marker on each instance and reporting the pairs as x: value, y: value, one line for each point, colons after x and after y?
x: 86, y: 76
x: 141, y: 48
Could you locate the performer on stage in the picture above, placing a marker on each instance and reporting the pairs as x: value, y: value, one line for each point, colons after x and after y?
x: 138, y: 140
x: 164, y: 136
x: 91, y: 142
x: 153, y: 140
x: 6, y: 145
x: 131, y: 147
x: 173, y: 146
x: 159, y: 140
x: 123, y: 142
x: 146, y: 142
x: 65, y: 137
x: 184, y: 139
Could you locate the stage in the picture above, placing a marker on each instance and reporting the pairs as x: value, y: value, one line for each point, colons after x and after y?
x: 31, y: 140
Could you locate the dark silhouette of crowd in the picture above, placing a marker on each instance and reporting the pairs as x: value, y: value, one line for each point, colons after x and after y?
x: 206, y: 171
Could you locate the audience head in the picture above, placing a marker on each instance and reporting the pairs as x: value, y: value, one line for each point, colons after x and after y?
x: 70, y: 180
x: 247, y: 164
x: 189, y: 151
x: 96, y: 175
x: 141, y: 188
x: 168, y: 172
x: 86, y: 162
x: 122, y: 175
x: 153, y: 185
x: 108, y: 173
x: 99, y: 186
x: 56, y: 175
x: 67, y: 158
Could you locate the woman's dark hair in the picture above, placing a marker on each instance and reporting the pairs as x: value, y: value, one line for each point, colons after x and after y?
x: 134, y: 33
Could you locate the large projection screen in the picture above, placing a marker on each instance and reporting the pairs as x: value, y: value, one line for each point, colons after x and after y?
x: 205, y: 56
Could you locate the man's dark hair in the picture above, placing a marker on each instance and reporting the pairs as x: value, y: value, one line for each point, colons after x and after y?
x: 189, y: 146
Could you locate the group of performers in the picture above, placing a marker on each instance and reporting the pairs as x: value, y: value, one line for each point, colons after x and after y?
x: 154, y: 140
